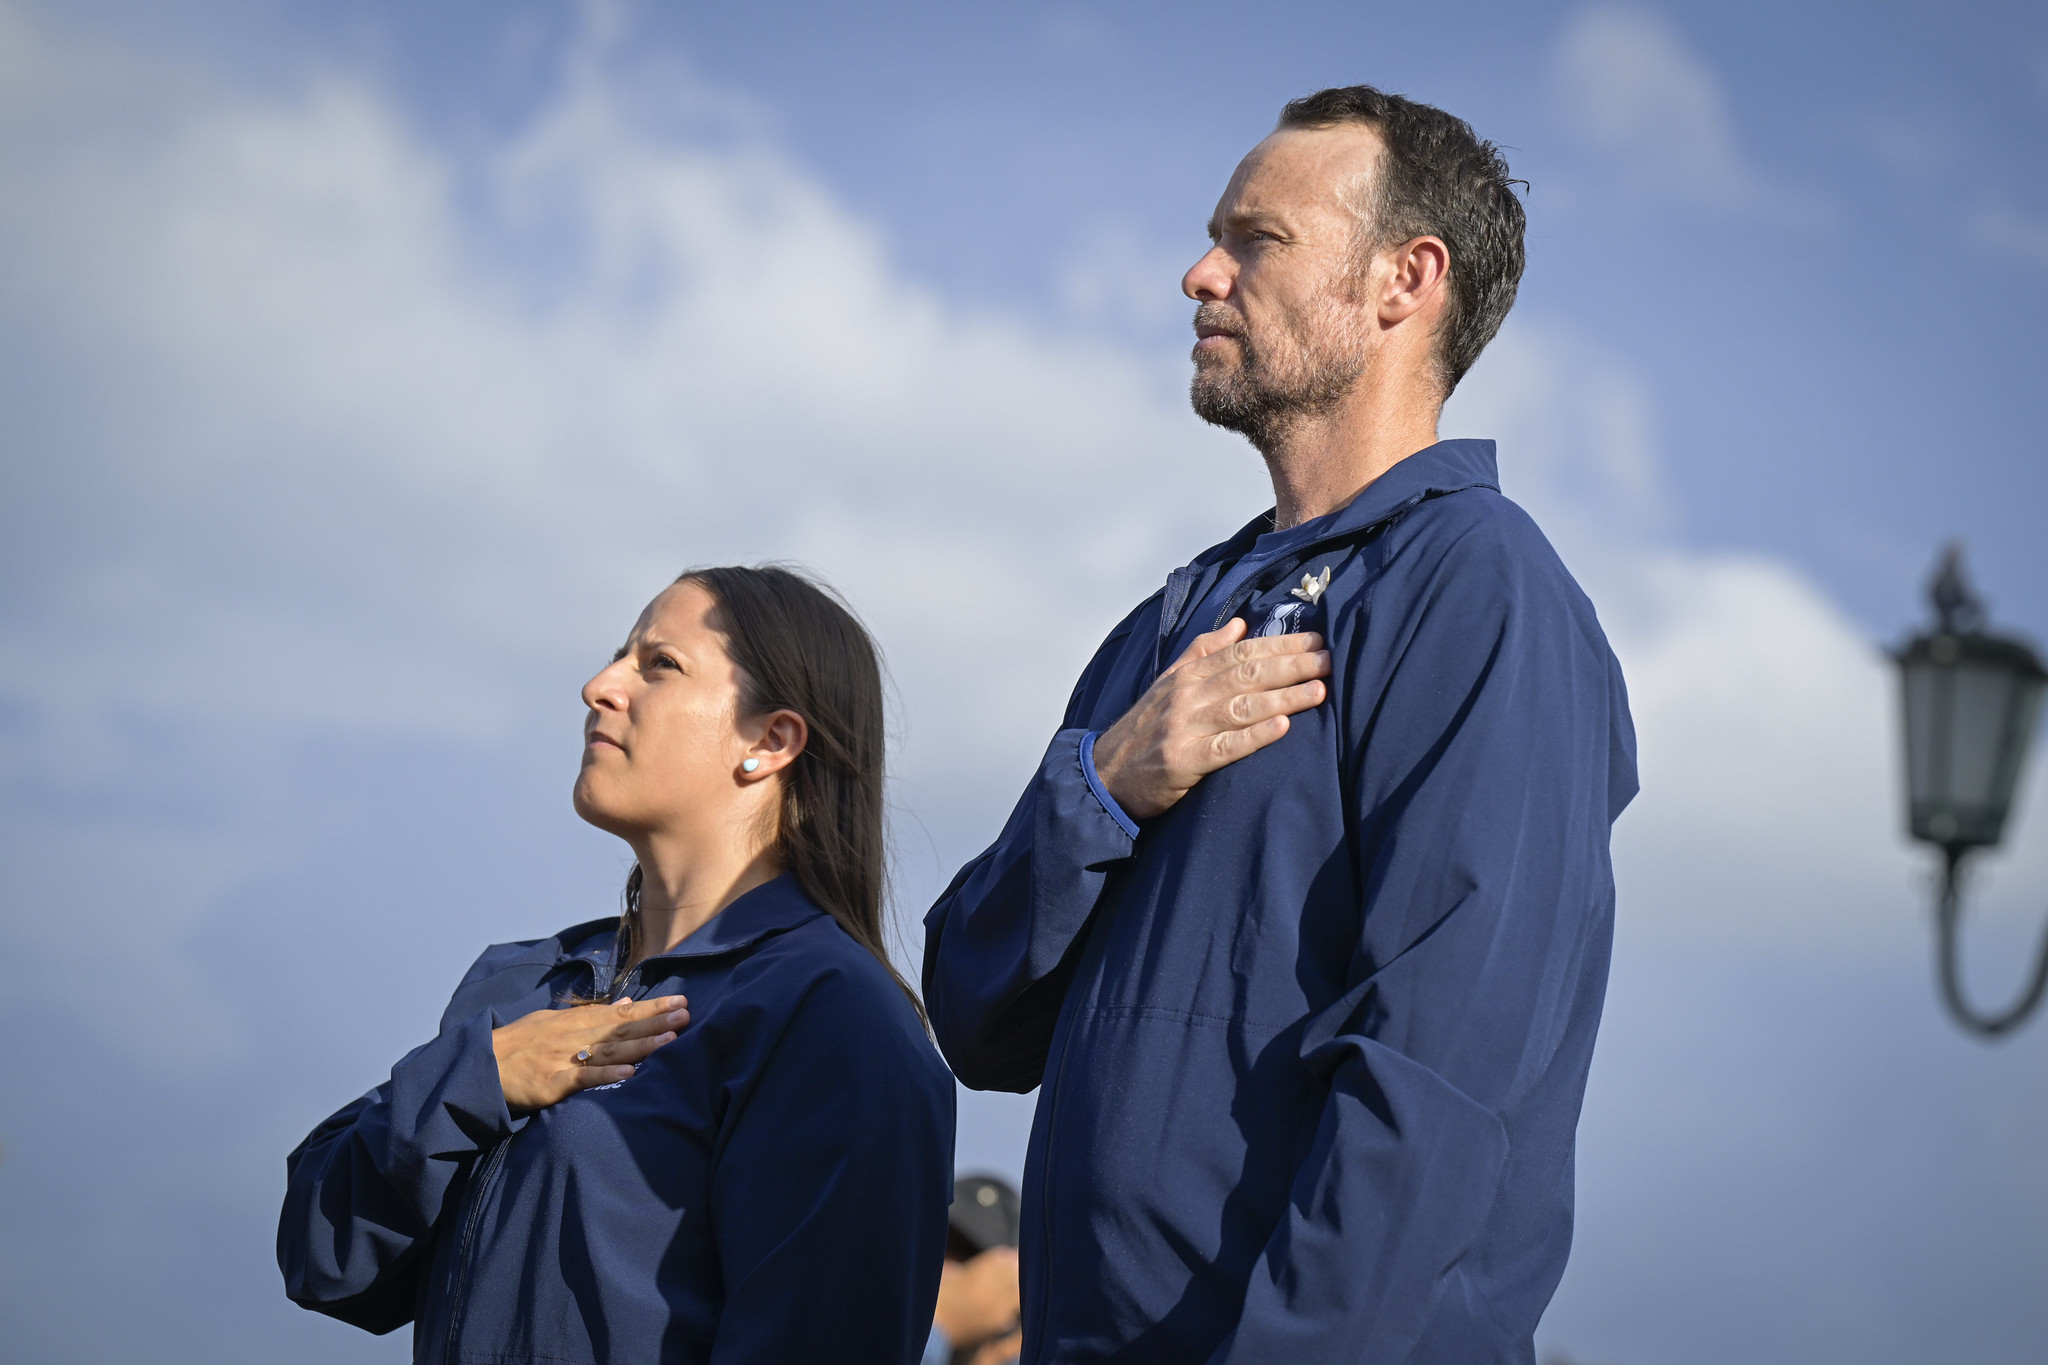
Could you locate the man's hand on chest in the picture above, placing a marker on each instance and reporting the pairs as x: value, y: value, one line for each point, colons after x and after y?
x: 1226, y: 697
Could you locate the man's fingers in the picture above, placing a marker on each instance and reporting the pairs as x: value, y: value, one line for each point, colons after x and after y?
x: 1209, y: 642
x: 1260, y: 646
x: 1266, y: 674
x: 1226, y: 747
x: 1259, y: 651
x: 1249, y: 708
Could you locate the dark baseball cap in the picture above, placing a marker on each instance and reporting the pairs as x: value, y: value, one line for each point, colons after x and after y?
x: 985, y: 1213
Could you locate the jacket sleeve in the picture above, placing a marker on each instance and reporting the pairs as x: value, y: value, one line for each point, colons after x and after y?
x: 365, y: 1189
x: 831, y: 1181
x: 1002, y: 941
x: 1486, y: 775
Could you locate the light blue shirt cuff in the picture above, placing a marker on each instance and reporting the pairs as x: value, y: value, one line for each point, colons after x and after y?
x: 1116, y: 812
x: 937, y: 1350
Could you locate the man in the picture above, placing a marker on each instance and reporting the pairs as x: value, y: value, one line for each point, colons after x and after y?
x: 1306, y: 942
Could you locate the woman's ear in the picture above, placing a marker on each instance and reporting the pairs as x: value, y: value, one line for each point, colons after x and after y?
x: 782, y: 737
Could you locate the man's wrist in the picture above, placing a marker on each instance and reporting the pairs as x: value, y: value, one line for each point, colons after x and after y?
x: 1102, y: 794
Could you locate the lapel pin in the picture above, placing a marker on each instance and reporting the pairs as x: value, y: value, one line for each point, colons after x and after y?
x: 1312, y: 587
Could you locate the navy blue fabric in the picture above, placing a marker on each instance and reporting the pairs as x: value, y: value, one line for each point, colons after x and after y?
x: 770, y: 1187
x: 1237, y: 561
x: 1313, y: 1043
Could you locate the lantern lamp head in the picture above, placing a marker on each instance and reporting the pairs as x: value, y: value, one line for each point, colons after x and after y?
x: 1971, y: 699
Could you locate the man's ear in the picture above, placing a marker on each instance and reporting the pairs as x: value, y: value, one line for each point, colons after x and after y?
x: 782, y: 736
x: 1421, y: 266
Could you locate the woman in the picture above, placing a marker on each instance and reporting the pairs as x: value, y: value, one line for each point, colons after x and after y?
x: 585, y: 1165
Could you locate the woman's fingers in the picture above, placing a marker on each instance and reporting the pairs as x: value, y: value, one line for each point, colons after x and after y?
x: 615, y: 1061
x: 648, y: 1017
x: 590, y: 1077
x: 548, y: 1055
x: 627, y: 1050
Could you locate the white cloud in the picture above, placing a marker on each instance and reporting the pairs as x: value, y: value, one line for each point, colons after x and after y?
x: 403, y: 411
x: 1627, y: 85
x: 328, y: 392
x: 1763, y: 715
x: 1114, y: 278
x: 717, y: 360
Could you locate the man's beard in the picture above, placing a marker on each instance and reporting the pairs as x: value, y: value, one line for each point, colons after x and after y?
x: 1270, y: 390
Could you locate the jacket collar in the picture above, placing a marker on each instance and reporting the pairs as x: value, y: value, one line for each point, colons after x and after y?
x: 770, y: 908
x: 1446, y: 467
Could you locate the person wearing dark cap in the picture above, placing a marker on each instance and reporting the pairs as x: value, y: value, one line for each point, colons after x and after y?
x: 976, y: 1322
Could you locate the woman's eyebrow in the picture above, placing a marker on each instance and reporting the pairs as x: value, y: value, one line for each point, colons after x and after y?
x: 650, y: 643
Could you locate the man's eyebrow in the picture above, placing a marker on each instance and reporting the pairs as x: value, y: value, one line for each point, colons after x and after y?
x: 1242, y: 220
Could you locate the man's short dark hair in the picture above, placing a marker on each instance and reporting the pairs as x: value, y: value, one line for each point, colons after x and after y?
x: 1437, y: 179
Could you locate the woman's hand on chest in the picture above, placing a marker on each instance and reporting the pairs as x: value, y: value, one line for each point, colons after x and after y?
x: 549, y: 1055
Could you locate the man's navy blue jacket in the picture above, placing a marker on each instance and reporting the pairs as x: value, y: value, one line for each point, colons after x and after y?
x: 1313, y: 1041
x: 770, y: 1187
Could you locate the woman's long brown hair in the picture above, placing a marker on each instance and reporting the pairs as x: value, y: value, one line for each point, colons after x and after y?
x: 799, y: 647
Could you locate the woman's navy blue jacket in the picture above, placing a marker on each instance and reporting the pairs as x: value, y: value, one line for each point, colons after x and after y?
x: 1313, y: 1041
x: 770, y: 1187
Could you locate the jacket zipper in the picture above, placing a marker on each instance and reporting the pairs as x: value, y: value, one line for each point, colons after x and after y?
x: 1178, y: 591
x: 460, y: 1298
x: 1059, y: 1071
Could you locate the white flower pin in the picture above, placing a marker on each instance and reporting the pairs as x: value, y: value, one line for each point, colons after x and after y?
x: 1312, y: 587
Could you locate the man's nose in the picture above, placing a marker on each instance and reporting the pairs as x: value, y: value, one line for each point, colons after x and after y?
x: 1210, y: 278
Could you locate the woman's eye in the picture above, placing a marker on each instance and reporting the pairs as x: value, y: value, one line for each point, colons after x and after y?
x: 663, y: 661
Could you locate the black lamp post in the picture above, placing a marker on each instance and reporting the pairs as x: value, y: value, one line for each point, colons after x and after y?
x: 1971, y: 699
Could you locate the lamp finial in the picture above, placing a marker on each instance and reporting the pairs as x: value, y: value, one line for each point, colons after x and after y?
x: 1954, y: 601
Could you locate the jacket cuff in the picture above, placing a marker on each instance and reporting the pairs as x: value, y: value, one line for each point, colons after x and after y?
x: 447, y: 1096
x: 1100, y: 792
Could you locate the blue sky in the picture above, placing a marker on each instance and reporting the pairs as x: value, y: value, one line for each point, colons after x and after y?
x: 367, y: 365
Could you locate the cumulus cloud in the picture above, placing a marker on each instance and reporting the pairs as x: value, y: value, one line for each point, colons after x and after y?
x: 1625, y: 83
x: 493, y: 405
x: 1763, y: 714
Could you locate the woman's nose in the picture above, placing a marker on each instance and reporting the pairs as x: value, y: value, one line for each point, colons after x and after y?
x: 603, y: 692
